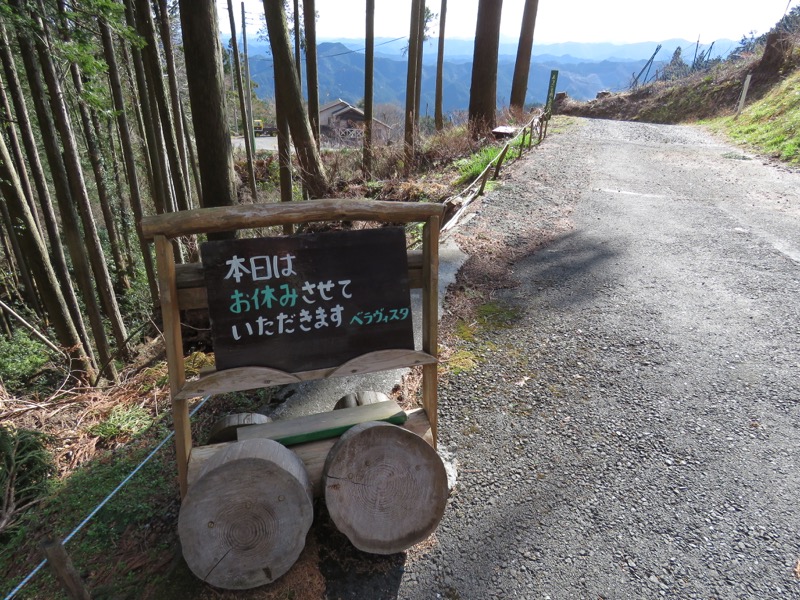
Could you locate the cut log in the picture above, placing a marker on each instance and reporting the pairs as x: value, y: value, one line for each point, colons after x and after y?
x: 385, y: 488
x: 243, y: 523
x: 360, y: 399
x: 224, y: 430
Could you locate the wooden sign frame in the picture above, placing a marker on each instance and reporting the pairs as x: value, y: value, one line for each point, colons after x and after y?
x: 181, y: 287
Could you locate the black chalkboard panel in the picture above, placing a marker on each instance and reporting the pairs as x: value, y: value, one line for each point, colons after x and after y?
x: 306, y: 302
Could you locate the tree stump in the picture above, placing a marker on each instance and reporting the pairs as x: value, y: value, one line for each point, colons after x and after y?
x: 243, y: 523
x: 385, y: 487
x: 360, y: 399
x: 224, y: 430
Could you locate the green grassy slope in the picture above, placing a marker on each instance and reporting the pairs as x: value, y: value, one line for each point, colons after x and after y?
x: 771, y: 125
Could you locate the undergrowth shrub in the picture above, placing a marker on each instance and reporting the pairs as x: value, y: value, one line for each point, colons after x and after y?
x: 23, y: 358
x: 472, y: 166
x: 25, y: 470
x: 448, y: 145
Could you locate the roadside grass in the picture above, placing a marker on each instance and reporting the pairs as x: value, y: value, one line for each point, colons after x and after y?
x: 99, y: 551
x: 470, y: 334
x: 471, y: 167
x: 770, y: 125
x: 131, y: 544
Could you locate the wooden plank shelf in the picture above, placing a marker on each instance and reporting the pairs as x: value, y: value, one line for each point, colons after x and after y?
x: 312, y: 454
x: 240, y: 379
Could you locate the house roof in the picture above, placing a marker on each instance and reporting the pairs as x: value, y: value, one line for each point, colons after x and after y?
x: 350, y: 108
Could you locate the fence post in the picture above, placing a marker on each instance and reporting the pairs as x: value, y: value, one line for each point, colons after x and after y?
x: 62, y: 568
x: 500, y: 161
x: 744, y: 95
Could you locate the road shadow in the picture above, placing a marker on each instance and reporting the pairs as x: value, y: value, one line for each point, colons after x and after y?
x: 351, y: 574
x: 570, y: 269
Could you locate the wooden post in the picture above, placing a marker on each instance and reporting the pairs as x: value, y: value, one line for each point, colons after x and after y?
x: 500, y: 160
x: 62, y: 568
x: 173, y: 341
x: 430, y: 319
x: 744, y: 95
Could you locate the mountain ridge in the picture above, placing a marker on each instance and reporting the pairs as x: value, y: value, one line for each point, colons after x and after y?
x: 341, y: 70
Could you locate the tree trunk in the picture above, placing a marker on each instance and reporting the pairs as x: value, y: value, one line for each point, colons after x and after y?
x: 39, y: 262
x: 18, y: 261
x: 369, y: 68
x: 145, y: 27
x: 156, y: 165
x: 16, y: 153
x: 207, y: 96
x: 284, y: 152
x: 522, y: 66
x: 59, y: 260
x: 251, y: 175
x: 174, y: 96
x: 128, y: 154
x: 305, y: 147
x: 114, y: 149
x: 105, y: 289
x: 438, y: 116
x: 312, y: 83
x: 411, y: 87
x: 483, y: 91
x: 297, y: 50
x: 95, y: 160
x: 27, y: 194
x: 69, y: 217
x: 420, y: 47
x: 249, y: 86
x: 192, y: 156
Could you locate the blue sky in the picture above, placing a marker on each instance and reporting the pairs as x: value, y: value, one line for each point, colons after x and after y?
x: 616, y: 21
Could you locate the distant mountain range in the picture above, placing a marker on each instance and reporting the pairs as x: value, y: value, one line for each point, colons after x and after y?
x: 584, y: 69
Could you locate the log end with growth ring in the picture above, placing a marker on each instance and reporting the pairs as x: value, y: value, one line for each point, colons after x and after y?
x: 385, y: 487
x: 243, y: 522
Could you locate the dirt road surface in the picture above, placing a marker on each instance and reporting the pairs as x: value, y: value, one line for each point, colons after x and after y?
x: 630, y: 429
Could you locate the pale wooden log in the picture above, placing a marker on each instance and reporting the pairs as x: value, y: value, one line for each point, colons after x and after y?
x: 224, y: 430
x: 173, y: 341
x: 312, y: 454
x: 246, y: 378
x: 385, y: 488
x: 325, y: 425
x: 359, y: 399
x: 244, y: 521
x: 249, y: 216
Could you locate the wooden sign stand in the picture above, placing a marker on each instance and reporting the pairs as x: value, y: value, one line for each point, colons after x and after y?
x: 182, y: 287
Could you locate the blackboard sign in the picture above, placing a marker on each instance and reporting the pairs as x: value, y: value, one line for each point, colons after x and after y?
x: 306, y: 302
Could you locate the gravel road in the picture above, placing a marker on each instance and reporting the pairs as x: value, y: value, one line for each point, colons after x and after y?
x: 634, y: 432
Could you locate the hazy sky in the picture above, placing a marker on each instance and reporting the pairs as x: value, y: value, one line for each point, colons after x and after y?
x: 618, y: 21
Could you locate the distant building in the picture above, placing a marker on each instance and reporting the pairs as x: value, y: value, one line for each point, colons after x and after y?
x: 341, y: 120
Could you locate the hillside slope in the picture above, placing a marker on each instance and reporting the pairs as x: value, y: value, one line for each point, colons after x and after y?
x: 711, y: 94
